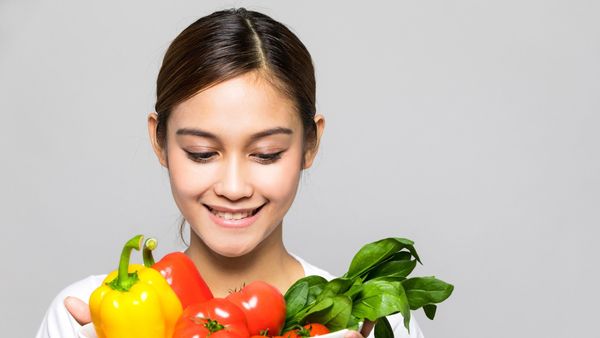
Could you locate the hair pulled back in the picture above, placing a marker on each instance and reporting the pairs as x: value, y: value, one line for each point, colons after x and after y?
x: 229, y: 43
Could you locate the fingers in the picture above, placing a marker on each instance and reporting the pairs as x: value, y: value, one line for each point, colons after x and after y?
x: 78, y: 309
x: 364, y: 332
x: 353, y: 334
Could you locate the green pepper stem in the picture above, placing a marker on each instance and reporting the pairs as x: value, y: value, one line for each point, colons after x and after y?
x: 124, y: 280
x: 149, y: 245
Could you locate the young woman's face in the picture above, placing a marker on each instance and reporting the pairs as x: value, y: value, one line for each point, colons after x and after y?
x: 234, y: 156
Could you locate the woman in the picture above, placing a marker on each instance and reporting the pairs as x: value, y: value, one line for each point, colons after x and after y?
x: 235, y: 125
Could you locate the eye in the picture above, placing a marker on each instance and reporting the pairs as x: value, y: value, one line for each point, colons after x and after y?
x: 268, y: 158
x: 200, y: 157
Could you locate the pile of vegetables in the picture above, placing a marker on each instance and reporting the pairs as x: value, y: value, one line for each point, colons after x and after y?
x: 170, y: 299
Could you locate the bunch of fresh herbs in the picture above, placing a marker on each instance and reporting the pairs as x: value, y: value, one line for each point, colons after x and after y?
x: 376, y: 285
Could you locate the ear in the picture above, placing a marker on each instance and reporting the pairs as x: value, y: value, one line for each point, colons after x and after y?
x: 310, y: 154
x: 161, y: 153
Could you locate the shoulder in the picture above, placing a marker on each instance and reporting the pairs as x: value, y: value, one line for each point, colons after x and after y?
x: 57, y: 321
x: 310, y: 269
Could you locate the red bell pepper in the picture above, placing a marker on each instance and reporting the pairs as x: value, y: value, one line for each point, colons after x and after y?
x: 181, y: 274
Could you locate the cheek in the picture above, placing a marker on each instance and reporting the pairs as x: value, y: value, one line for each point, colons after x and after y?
x: 187, y: 178
x: 279, y: 181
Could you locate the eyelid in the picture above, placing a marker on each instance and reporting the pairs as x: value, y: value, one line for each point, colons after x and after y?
x: 268, y: 158
x: 261, y: 157
x: 200, y: 152
x: 272, y: 153
x: 201, y: 157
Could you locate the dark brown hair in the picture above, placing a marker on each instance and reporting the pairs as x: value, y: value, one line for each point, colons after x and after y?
x: 227, y: 44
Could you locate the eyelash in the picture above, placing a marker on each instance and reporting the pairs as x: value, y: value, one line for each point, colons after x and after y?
x: 262, y: 158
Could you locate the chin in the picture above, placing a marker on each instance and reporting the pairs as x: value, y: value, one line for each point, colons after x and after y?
x: 231, y: 247
x: 232, y: 251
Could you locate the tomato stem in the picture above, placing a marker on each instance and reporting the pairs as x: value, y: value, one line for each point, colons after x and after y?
x: 302, y: 331
x: 213, y: 326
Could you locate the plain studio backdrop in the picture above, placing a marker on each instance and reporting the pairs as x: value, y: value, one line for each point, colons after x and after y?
x: 471, y: 127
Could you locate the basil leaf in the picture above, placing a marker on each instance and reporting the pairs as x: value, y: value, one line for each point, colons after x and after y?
x: 312, y: 280
x: 383, y: 329
x: 401, y: 256
x: 421, y: 291
x: 381, y: 298
x: 396, y: 269
x: 335, y: 287
x: 429, y: 310
x: 318, y: 308
x: 336, y: 317
x: 300, y: 298
x: 373, y: 254
x: 315, y: 287
x: 295, y: 298
x: 352, y: 323
x: 355, y: 288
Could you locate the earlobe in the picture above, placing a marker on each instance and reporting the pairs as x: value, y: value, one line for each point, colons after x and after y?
x: 158, y: 150
x: 312, y: 153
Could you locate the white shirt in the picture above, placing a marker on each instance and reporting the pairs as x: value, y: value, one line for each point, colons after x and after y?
x: 58, y: 322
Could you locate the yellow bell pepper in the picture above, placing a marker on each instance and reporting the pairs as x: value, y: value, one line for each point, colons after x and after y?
x: 134, y: 301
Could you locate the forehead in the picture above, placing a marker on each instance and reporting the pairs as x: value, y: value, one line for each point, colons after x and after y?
x: 242, y: 105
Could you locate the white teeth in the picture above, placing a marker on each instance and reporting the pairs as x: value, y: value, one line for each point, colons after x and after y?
x: 228, y: 215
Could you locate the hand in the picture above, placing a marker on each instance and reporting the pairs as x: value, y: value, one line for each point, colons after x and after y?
x: 353, y: 334
x: 364, y: 332
x: 78, y: 309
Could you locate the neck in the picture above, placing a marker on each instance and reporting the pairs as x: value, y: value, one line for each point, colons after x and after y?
x: 269, y: 262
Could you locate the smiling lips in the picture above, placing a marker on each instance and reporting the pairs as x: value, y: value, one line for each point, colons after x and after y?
x: 232, y: 214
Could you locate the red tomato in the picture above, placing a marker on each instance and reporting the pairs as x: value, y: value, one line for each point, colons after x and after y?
x: 289, y: 334
x: 217, y: 318
x: 308, y: 330
x: 262, y: 334
x: 263, y: 305
x: 316, y: 329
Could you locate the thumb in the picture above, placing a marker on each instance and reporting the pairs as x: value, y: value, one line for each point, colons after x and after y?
x: 78, y: 309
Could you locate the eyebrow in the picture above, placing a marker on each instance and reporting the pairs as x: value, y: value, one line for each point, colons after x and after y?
x: 253, y: 137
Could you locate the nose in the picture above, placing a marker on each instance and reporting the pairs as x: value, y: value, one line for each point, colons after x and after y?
x: 233, y: 184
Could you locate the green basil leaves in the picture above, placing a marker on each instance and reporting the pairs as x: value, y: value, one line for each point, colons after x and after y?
x: 376, y: 285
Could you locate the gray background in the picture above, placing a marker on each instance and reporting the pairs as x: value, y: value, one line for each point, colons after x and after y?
x: 470, y: 127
